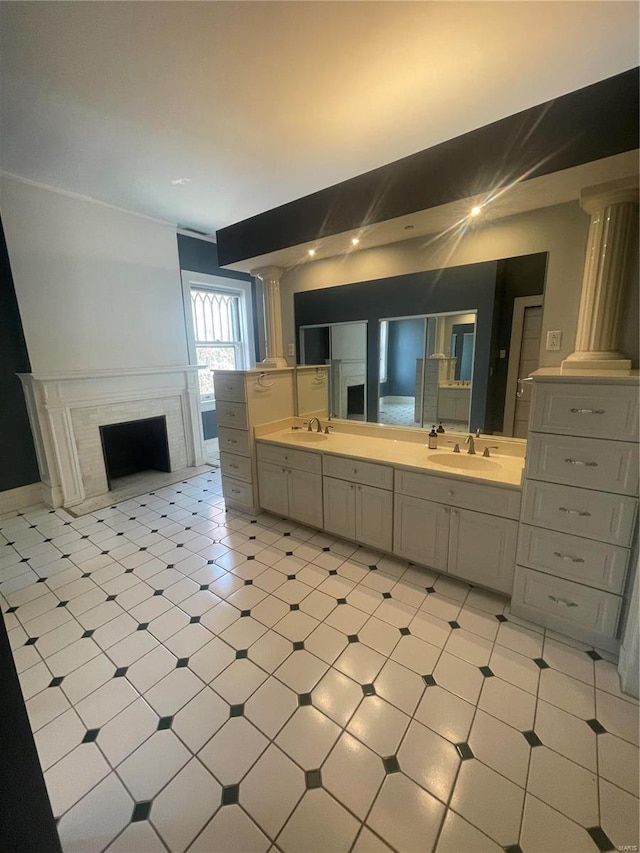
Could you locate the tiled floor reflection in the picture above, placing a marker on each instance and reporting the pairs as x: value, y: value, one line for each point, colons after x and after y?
x: 201, y: 680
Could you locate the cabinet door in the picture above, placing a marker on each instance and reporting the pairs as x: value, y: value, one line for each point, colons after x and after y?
x: 305, y: 497
x: 272, y: 486
x: 421, y: 531
x: 339, y: 507
x: 374, y: 517
x: 482, y: 548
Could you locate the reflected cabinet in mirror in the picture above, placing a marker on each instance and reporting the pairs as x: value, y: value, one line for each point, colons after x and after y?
x: 448, y: 346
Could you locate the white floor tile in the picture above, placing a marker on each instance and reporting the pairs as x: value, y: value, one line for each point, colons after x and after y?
x: 353, y: 774
x: 490, y: 802
x: 74, y: 776
x: 181, y: 809
x: 239, y: 832
x: 405, y: 815
x: 563, y: 785
x: 233, y: 750
x: 200, y: 719
x: 318, y: 824
x: 97, y: 819
x: 543, y: 828
x: 173, y: 691
x: 152, y: 765
x: 268, y: 804
x: 126, y: 731
x: 308, y: 737
x: 379, y: 725
x: 436, y: 773
x: 458, y: 835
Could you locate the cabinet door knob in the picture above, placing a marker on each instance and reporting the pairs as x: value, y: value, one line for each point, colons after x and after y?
x: 355, y: 470
x: 564, y: 601
x: 574, y: 512
x: 568, y: 557
x: 580, y: 462
x: 450, y: 493
x: 587, y: 411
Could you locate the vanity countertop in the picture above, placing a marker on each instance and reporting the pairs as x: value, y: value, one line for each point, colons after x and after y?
x: 500, y: 470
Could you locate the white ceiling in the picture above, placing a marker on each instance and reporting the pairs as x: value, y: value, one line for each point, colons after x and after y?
x: 259, y: 103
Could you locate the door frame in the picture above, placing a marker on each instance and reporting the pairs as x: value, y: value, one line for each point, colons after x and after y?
x: 520, y: 304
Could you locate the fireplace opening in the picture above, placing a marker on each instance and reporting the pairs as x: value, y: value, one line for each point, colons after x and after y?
x: 355, y: 400
x: 135, y: 446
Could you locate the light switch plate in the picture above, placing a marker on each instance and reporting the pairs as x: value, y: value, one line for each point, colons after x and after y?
x: 553, y: 340
x: 291, y: 349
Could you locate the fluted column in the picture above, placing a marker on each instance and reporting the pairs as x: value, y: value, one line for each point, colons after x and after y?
x: 614, y: 213
x: 270, y: 278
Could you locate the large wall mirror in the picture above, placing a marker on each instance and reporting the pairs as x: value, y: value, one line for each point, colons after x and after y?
x: 448, y: 345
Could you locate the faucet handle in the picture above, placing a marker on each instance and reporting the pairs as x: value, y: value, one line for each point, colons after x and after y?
x: 489, y: 447
x: 327, y: 428
x: 456, y: 449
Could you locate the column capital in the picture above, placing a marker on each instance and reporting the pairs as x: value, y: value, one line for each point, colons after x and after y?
x: 625, y: 190
x: 267, y: 273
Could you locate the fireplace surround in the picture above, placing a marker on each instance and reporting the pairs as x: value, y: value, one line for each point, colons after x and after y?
x: 66, y: 412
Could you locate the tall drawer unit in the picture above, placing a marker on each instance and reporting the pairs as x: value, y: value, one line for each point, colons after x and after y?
x: 578, y: 521
x: 245, y: 399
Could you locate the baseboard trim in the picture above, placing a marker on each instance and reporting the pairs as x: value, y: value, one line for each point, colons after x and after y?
x: 14, y: 499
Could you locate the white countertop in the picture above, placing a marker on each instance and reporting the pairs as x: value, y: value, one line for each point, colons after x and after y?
x: 500, y: 470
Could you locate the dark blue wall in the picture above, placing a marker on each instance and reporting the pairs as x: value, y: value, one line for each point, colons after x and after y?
x: 405, y: 344
x: 18, y: 464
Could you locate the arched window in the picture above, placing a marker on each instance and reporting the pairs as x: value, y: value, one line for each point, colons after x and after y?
x: 217, y: 331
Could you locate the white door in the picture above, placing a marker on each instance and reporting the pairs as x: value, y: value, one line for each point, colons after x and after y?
x: 421, y: 531
x: 305, y: 497
x: 272, y: 485
x: 339, y: 507
x: 482, y: 548
x: 374, y: 514
x: 524, y: 354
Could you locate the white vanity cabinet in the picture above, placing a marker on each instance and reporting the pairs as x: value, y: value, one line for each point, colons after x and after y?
x: 449, y: 534
x: 290, y: 483
x: 354, y: 508
x: 579, y: 506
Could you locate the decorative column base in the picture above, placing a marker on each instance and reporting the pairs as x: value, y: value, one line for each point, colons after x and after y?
x: 590, y: 361
x: 273, y: 363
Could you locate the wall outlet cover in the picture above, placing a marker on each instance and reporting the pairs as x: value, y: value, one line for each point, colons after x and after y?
x: 291, y: 349
x: 553, y: 340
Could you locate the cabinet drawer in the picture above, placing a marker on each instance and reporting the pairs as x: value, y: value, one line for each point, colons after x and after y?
x: 502, y: 502
x: 232, y: 465
x: 234, y: 440
x: 229, y: 387
x: 232, y: 414
x: 236, y: 492
x: 611, y: 466
x: 300, y: 459
x: 596, y: 515
x: 356, y: 471
x: 565, y: 606
x: 595, y: 411
x: 571, y: 557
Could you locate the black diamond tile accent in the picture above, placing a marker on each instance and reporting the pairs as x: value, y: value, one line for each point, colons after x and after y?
x: 251, y: 538
x: 120, y: 671
x: 294, y: 607
x: 11, y: 609
x: 532, y: 738
x: 158, y: 592
x: 143, y: 549
x: 386, y: 595
x: 326, y: 549
x: 353, y: 638
x: 230, y: 795
x: 248, y: 582
x: 368, y: 690
x: 32, y: 641
x: 142, y: 626
x: 291, y: 577
x: 241, y: 654
x: 597, y: 727
x: 540, y: 662
x: 182, y: 662
x: 88, y: 574
x: 430, y: 588
x: 486, y: 671
x: 128, y: 571
x: 313, y: 779
x: 341, y: 600
x: 111, y: 598
x: 501, y: 618
x: 236, y: 710
x: 245, y: 613
x: 513, y: 848
x: 594, y: 655
x: 405, y: 632
x: 209, y: 562
x: 57, y: 681
x: 304, y: 699
x: 180, y: 545
x: 298, y: 646
x: 164, y: 723
x: 373, y: 568
x: 40, y: 580
x: 464, y: 751
x: 141, y: 811
x: 62, y: 604
x: 286, y: 534
x: 106, y: 552
x: 333, y: 571
x: 602, y: 840
x: 204, y: 586
x: 454, y: 624
x: 90, y: 735
x: 88, y: 634
x: 250, y: 557
x: 429, y: 680
x: 391, y: 764
x: 194, y: 620
x: 288, y: 553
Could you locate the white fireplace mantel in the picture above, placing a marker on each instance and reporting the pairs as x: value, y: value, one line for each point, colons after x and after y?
x: 66, y: 411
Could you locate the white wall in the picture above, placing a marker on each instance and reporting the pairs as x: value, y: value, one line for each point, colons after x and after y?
x: 560, y: 230
x: 349, y: 341
x: 97, y: 287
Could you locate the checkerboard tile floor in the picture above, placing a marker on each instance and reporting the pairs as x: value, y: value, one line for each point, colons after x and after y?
x: 202, y: 680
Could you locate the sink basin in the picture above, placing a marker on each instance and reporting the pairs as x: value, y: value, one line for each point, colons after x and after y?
x: 305, y: 437
x: 464, y: 462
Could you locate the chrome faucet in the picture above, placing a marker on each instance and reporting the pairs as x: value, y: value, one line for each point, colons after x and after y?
x: 317, y: 420
x: 470, y: 440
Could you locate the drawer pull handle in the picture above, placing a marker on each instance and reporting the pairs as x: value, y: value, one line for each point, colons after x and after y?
x: 588, y: 411
x: 236, y: 491
x: 234, y: 466
x: 355, y: 470
x: 232, y: 441
x: 564, y: 601
x: 574, y: 512
x: 568, y: 557
x: 230, y: 414
x: 580, y: 462
x: 228, y: 387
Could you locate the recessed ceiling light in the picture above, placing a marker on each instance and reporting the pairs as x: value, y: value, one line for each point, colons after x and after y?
x: 476, y: 210
x: 409, y: 227
x: 178, y: 182
x: 354, y: 241
x: 312, y: 252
